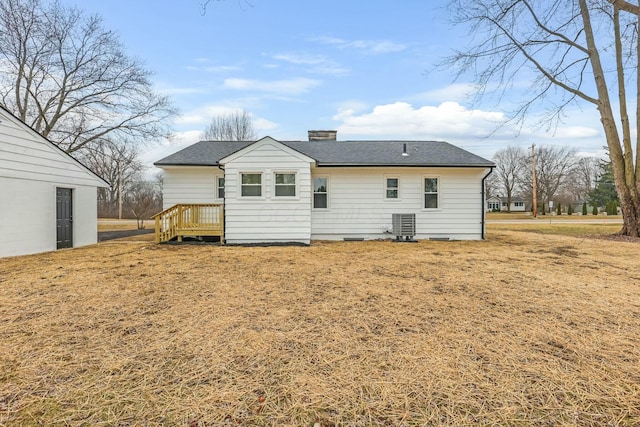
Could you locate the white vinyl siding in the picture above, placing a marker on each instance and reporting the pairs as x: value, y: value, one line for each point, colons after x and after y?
x: 26, y: 155
x: 31, y: 169
x: 270, y: 218
x: 31, y: 228
x: 190, y: 184
x: 358, y: 210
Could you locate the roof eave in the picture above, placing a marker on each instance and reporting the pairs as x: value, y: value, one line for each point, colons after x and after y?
x: 412, y: 165
x: 187, y: 164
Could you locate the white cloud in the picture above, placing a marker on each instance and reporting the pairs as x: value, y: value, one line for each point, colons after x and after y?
x: 214, y: 68
x: 202, y: 115
x: 305, y: 59
x: 281, y: 87
x: 372, y: 47
x: 351, y: 107
x: 178, y: 141
x: 401, y: 120
x: 574, y: 132
x: 455, y: 91
x: 263, y: 125
x: 316, y: 64
x: 329, y: 40
x: 479, y: 131
x: 377, y: 46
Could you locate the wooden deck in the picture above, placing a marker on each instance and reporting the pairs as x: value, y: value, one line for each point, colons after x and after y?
x: 197, y: 220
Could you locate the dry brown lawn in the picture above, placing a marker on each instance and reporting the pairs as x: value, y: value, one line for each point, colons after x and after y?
x: 521, y: 329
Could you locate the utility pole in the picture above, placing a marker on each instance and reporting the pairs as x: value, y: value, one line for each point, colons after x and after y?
x: 535, y: 184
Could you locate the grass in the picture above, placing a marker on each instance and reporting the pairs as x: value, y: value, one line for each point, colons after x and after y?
x: 559, y: 229
x: 114, y: 225
x: 521, y: 329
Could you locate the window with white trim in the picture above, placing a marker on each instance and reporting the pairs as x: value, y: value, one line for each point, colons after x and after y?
x: 431, y: 193
x: 220, y: 185
x: 320, y: 193
x: 392, y: 188
x: 518, y: 204
x: 285, y: 183
x: 251, y: 184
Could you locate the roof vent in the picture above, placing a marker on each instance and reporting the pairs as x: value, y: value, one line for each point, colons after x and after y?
x: 404, y: 150
x: 404, y: 225
x: 323, y: 135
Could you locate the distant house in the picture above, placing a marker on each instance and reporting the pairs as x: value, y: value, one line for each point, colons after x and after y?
x: 48, y: 198
x: 500, y: 204
x: 298, y: 191
x: 494, y: 204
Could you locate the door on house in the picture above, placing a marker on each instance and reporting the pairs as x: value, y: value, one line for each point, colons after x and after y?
x: 64, y: 218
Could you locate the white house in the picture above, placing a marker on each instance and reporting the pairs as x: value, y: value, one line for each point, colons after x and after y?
x: 497, y: 203
x: 48, y: 199
x: 298, y: 191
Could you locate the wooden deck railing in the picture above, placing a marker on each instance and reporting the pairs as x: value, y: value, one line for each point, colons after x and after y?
x: 181, y: 220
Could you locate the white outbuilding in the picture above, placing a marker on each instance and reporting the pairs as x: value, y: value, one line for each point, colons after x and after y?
x: 48, y: 200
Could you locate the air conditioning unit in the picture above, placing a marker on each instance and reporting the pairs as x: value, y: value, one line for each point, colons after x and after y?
x: 404, y: 225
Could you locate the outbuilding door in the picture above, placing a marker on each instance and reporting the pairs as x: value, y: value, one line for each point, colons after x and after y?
x: 64, y: 219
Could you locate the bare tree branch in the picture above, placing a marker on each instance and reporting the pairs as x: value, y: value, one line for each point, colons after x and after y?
x: 559, y: 43
x: 510, y: 165
x: 70, y: 79
x: 236, y: 126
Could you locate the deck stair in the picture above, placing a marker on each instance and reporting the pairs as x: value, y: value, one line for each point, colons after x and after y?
x: 193, y: 220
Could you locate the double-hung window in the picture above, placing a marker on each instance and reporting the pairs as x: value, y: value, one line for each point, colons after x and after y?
x: 220, y: 184
x: 392, y: 188
x: 431, y: 193
x: 320, y: 193
x: 251, y: 184
x: 285, y: 184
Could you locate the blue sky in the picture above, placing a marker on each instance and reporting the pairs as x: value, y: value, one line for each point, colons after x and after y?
x: 360, y: 67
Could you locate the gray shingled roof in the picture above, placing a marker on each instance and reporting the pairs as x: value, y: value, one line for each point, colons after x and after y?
x: 340, y: 153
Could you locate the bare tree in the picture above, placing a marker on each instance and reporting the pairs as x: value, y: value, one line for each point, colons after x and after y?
x: 564, y: 44
x: 70, y: 79
x: 554, y: 169
x: 143, y: 199
x: 118, y: 163
x: 236, y: 126
x: 583, y: 179
x: 492, y: 186
x: 510, y: 165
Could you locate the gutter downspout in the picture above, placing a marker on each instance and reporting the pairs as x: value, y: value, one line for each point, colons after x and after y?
x: 223, y: 240
x: 484, y: 209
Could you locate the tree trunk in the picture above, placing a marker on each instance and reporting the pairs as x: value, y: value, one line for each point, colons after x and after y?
x: 629, y: 202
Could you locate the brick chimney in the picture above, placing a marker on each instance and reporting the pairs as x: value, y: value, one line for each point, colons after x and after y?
x: 322, y: 135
